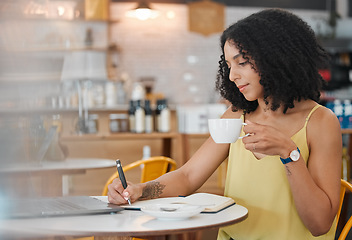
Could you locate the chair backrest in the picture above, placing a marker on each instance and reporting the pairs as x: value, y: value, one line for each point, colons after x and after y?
x: 346, y: 228
x: 151, y: 169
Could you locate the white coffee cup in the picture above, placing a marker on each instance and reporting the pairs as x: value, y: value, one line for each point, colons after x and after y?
x: 225, y: 130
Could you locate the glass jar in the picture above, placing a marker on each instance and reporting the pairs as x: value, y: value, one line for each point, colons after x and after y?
x: 92, y: 123
x: 118, y: 123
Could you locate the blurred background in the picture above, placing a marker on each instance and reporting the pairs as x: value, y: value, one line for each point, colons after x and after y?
x: 76, y: 65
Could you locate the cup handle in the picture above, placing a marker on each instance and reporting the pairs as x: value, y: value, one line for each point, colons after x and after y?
x: 244, y: 124
x: 244, y: 136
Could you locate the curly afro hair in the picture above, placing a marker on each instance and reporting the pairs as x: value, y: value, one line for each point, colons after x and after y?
x: 283, y: 49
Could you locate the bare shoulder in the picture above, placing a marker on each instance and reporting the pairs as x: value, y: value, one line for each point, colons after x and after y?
x: 324, y: 118
x: 231, y: 114
x: 323, y: 122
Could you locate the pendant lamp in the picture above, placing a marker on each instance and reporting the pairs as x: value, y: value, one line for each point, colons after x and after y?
x: 143, y: 11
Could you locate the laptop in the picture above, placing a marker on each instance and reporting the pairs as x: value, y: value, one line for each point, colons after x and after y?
x: 58, y: 206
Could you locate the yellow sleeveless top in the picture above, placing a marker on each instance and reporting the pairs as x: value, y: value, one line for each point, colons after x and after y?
x: 262, y: 187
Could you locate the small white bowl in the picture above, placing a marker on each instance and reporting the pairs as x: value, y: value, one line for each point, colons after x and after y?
x: 172, y: 211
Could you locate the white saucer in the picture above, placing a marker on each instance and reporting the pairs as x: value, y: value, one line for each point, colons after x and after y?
x: 172, y: 211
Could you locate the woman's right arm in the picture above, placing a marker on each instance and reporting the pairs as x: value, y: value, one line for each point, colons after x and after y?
x: 183, y: 181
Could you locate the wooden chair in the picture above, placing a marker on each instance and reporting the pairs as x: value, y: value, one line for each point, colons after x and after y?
x: 152, y: 168
x: 346, y: 228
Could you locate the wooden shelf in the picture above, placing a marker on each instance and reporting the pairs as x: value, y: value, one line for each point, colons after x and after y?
x: 120, y: 136
x: 196, y: 135
x: 51, y: 19
x: 49, y: 110
x: 346, y: 131
x: 57, y: 49
x: 171, y: 142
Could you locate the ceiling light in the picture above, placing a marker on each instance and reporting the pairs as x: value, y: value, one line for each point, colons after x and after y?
x: 143, y: 11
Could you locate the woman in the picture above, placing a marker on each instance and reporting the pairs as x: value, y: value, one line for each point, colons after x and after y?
x: 287, y: 171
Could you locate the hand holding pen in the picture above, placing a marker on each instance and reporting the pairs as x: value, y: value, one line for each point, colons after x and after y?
x: 122, y: 176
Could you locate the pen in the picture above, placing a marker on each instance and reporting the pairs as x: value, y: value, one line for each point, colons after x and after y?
x: 122, y: 176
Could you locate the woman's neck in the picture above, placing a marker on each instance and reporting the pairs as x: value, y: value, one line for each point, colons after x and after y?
x: 265, y: 109
x: 265, y: 112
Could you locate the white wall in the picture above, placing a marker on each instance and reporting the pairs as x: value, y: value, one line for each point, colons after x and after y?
x: 183, y: 63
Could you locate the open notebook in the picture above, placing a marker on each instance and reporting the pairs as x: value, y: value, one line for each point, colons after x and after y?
x: 212, y: 203
x: 58, y: 206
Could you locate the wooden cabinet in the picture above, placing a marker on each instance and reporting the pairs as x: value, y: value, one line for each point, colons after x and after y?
x: 122, y: 144
x: 126, y: 146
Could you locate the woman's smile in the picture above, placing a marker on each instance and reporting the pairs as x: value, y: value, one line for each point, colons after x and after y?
x: 242, y: 87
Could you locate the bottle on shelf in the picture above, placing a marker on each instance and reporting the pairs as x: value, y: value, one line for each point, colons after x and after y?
x: 347, y: 114
x: 157, y: 114
x: 131, y: 116
x: 149, y: 123
x: 330, y: 105
x: 139, y: 117
x: 338, y: 110
x: 146, y: 152
x: 163, y: 115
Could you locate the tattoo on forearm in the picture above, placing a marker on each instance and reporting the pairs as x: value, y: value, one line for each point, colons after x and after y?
x: 288, y: 170
x: 152, y: 190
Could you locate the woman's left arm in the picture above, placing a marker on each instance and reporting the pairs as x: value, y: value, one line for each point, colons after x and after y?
x: 316, y: 187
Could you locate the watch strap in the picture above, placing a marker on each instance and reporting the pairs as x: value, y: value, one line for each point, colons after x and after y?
x: 287, y: 160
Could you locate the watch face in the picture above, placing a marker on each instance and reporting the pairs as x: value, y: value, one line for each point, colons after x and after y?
x: 294, y: 155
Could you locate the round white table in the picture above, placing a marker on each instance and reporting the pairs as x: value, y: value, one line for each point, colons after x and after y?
x: 125, y: 223
x: 51, y: 172
x: 68, y: 165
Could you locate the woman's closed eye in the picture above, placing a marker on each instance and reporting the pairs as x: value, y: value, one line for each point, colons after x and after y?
x: 243, y: 63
